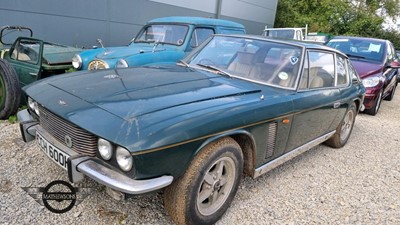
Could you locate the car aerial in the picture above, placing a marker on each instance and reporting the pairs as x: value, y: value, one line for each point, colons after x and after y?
x: 237, y: 104
x: 26, y: 60
x: 376, y: 63
x: 161, y: 40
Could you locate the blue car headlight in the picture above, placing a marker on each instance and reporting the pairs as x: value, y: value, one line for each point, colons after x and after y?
x: 77, y: 61
x: 121, y: 64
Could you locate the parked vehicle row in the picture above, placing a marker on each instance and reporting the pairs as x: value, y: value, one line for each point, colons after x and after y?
x: 237, y: 104
x: 201, y: 104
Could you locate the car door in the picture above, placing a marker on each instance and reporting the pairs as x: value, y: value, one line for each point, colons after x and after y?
x: 25, y: 56
x: 317, y: 101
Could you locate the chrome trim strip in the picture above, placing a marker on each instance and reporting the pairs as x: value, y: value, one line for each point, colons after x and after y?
x: 118, y: 181
x: 290, y: 155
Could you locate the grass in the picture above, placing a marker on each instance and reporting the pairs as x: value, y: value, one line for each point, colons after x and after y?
x: 13, y: 118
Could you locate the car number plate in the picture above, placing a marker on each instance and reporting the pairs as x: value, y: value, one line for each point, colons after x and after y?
x: 57, y: 155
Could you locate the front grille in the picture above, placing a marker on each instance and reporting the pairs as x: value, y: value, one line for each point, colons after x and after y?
x: 271, y: 140
x: 97, y: 65
x: 83, y: 142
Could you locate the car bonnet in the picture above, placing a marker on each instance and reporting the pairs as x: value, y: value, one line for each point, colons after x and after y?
x: 133, y: 49
x: 133, y: 92
x: 365, y: 69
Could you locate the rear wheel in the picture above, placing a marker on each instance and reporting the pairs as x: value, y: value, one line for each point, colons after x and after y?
x: 10, y: 92
x: 205, y: 191
x: 343, y: 131
x: 374, y: 110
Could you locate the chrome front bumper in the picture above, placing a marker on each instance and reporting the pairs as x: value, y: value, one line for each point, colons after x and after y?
x: 95, y: 168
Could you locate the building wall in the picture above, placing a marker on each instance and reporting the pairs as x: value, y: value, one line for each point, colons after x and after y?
x: 116, y: 22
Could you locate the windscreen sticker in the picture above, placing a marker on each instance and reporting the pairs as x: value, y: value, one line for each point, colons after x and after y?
x: 283, y: 76
x: 294, y: 60
x: 374, y: 48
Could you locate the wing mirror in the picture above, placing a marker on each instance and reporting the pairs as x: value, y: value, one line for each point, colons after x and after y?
x: 394, y: 65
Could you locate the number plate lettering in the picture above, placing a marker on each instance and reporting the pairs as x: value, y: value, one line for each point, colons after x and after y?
x: 55, y: 154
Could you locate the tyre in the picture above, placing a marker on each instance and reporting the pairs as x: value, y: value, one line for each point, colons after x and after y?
x: 374, y: 110
x: 392, y: 92
x: 205, y: 191
x: 343, y: 131
x: 10, y: 92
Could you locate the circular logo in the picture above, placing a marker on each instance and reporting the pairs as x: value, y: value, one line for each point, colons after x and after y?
x: 59, y: 196
x: 68, y: 141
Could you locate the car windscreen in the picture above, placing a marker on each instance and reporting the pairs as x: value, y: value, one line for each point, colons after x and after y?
x: 262, y: 61
x: 368, y: 50
x: 163, y: 33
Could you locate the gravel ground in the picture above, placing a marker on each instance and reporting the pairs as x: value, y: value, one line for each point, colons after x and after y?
x: 357, y: 184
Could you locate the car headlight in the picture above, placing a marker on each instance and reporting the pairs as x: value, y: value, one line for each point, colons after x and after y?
x: 105, y: 149
x: 371, y: 81
x: 77, y: 61
x: 121, y: 64
x: 124, y: 159
x: 33, y: 105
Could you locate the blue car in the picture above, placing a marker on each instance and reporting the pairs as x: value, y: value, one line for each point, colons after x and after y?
x: 162, y: 40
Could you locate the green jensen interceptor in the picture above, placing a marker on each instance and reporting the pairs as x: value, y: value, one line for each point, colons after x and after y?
x: 237, y: 104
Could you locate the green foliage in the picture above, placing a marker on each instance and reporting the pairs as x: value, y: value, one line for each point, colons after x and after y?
x: 13, y: 118
x: 340, y: 17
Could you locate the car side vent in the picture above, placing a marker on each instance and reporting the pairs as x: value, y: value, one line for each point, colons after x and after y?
x: 271, y: 139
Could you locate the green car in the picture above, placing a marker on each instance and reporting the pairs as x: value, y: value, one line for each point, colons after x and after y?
x: 25, y: 61
x: 237, y: 104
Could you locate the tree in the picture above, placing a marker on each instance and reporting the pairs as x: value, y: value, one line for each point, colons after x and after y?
x: 339, y: 17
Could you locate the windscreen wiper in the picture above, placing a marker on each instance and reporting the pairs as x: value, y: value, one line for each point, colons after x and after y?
x: 355, y: 56
x: 183, y: 63
x: 216, y: 69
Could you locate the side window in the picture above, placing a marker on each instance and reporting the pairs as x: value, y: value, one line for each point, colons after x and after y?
x: 199, y: 35
x: 321, y: 70
x: 341, y: 69
x: 305, y: 78
x: 26, y: 50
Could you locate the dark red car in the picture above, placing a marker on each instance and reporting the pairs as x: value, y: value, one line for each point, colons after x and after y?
x: 377, y: 64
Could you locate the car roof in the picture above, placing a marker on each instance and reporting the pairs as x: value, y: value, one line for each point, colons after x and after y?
x: 197, y: 21
x: 359, y: 38
x: 305, y: 44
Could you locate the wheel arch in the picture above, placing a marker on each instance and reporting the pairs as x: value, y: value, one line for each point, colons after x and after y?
x: 246, y: 142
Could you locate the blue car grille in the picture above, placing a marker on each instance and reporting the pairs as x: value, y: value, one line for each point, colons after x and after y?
x: 83, y: 142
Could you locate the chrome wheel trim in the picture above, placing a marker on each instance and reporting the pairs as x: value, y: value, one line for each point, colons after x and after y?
x: 216, y: 186
x: 347, y: 124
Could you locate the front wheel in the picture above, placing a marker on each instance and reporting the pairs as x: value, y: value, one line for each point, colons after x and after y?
x: 10, y: 92
x: 205, y: 191
x: 343, y: 131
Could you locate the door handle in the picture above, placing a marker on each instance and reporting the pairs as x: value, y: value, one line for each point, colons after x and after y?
x: 33, y: 74
x: 336, y: 105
